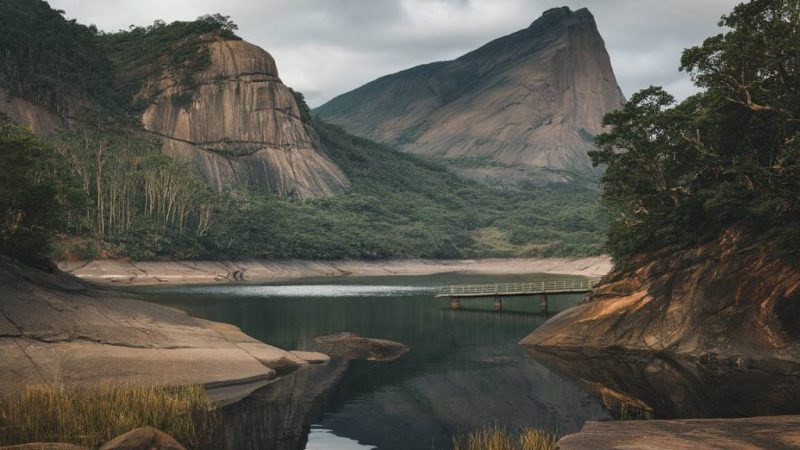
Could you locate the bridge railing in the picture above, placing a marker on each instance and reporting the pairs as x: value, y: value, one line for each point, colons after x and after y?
x: 532, y: 287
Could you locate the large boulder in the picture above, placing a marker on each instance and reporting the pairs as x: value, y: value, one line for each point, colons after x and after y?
x: 351, y: 346
x: 145, y: 438
x: 724, y: 301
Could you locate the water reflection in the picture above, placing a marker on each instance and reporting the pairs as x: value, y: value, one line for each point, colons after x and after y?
x: 465, y: 368
x: 670, y: 387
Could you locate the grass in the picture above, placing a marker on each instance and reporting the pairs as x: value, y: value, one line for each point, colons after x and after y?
x: 501, y: 438
x: 92, y: 417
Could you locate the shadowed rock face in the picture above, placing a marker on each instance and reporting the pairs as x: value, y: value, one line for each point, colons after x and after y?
x: 349, y: 346
x: 243, y: 126
x: 55, y: 329
x: 709, y: 331
x: 532, y: 99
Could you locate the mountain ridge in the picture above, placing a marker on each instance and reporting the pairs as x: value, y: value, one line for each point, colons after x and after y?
x: 533, y: 99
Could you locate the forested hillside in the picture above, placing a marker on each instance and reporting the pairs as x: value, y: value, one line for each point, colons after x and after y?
x: 114, y: 192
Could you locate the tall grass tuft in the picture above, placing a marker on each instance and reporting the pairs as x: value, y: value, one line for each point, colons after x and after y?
x: 501, y: 438
x: 94, y: 416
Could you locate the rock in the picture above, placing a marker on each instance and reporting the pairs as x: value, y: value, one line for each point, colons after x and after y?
x: 767, y: 433
x: 145, y: 438
x: 717, y: 303
x: 55, y: 329
x: 243, y: 127
x: 350, y: 346
x: 311, y: 357
x: 533, y: 99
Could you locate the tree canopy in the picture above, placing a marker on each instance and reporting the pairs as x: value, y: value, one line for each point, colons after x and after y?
x: 726, y: 157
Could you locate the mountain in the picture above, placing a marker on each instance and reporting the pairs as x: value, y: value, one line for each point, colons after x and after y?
x: 215, y: 100
x: 240, y: 125
x: 179, y: 141
x: 533, y: 99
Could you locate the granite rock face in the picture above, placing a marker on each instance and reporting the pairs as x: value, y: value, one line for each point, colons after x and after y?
x: 533, y: 99
x: 242, y: 126
x: 55, y: 329
x: 722, y: 302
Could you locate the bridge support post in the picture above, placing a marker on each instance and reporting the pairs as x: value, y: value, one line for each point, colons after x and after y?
x: 543, y: 304
x: 498, y: 303
x: 455, y: 303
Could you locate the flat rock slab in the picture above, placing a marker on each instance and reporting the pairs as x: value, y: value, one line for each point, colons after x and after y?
x: 145, y: 438
x: 56, y: 329
x: 311, y: 357
x: 350, y: 346
x: 756, y: 433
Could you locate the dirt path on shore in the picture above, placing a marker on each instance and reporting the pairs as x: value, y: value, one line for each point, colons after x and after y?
x: 201, y: 272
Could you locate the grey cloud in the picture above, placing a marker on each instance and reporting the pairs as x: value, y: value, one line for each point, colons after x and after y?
x: 327, y: 47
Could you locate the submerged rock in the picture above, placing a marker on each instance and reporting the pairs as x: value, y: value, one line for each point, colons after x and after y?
x: 351, y: 346
x: 56, y: 329
x: 145, y: 438
x: 243, y: 127
x: 721, y: 302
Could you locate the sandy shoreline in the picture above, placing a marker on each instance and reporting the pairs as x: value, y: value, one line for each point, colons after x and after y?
x: 202, y: 272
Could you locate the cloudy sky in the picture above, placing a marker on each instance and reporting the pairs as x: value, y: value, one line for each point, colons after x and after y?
x: 327, y: 47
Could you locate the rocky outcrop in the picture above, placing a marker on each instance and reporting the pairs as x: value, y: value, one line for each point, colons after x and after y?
x: 757, y: 433
x: 37, y: 118
x: 242, y: 126
x: 533, y: 99
x: 351, y: 346
x: 719, y: 302
x: 55, y: 329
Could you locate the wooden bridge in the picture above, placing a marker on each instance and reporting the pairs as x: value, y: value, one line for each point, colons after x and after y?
x: 498, y: 291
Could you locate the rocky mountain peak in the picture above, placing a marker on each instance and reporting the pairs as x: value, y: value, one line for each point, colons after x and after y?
x: 529, y: 102
x: 240, y: 125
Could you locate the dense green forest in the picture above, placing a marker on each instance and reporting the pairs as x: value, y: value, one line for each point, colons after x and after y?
x: 106, y: 187
x: 727, y: 158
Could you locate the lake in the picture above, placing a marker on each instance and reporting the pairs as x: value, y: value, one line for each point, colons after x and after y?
x: 465, y: 368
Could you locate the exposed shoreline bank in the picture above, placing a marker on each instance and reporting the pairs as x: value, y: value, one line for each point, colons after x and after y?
x: 123, y: 272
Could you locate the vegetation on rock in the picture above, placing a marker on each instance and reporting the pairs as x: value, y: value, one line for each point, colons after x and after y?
x: 726, y: 157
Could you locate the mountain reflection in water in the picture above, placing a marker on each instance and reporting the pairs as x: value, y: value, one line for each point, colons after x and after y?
x: 669, y: 387
x: 465, y: 368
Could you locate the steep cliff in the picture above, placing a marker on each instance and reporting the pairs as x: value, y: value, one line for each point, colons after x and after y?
x: 532, y: 99
x: 242, y: 125
x: 723, y: 301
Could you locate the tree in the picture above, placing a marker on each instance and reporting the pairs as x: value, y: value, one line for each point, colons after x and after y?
x: 33, y: 193
x: 726, y: 157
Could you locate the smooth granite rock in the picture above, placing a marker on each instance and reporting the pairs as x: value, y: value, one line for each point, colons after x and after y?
x: 721, y: 302
x: 55, y: 329
x: 528, y: 103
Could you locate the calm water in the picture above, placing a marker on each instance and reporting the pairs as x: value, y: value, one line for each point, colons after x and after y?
x: 465, y: 368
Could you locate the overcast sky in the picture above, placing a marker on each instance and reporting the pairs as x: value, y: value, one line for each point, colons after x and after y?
x: 327, y: 47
